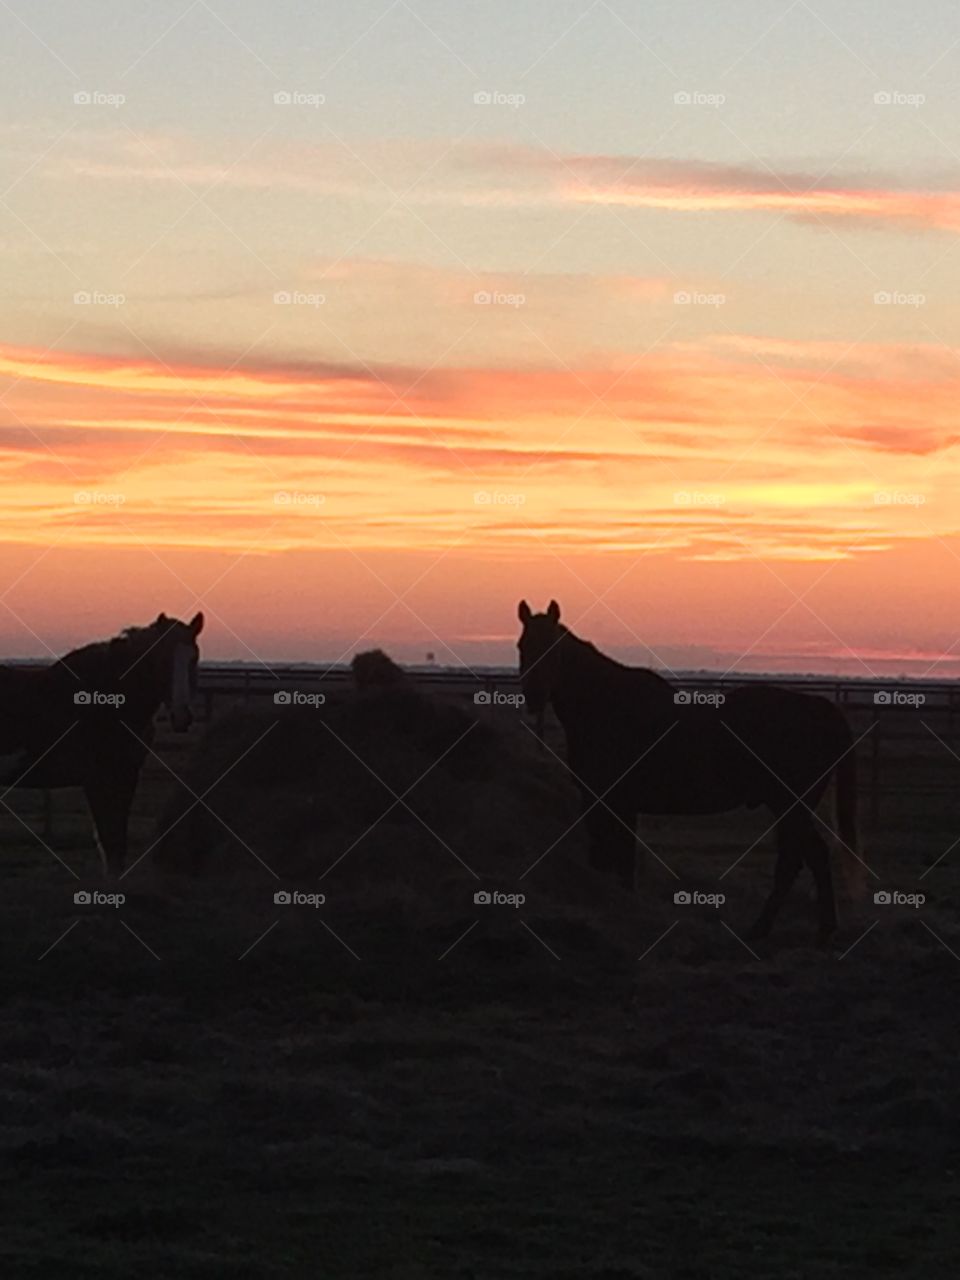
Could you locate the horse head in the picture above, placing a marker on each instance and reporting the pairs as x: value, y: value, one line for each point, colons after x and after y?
x: 539, y: 647
x: 176, y: 655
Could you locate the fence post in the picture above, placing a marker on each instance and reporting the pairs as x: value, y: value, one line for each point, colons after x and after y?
x: 47, y: 813
x: 875, y: 777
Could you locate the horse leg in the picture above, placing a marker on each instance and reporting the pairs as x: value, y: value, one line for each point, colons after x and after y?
x: 109, y: 802
x: 789, y: 862
x: 612, y: 842
x: 817, y: 856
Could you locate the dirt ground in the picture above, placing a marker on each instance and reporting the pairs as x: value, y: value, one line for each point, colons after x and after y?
x: 203, y: 1083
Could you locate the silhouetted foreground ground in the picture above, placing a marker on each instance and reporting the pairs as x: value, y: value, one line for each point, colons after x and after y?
x: 404, y: 1084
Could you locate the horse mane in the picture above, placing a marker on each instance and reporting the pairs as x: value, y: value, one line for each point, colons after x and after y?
x: 634, y: 676
x: 119, y: 649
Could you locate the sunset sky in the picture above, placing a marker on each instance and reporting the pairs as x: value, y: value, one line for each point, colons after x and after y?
x: 354, y: 324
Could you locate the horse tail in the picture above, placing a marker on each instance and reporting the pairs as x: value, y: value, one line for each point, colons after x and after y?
x: 845, y: 776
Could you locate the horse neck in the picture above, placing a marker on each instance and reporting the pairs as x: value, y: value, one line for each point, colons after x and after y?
x: 588, y: 685
x: 581, y: 673
x: 118, y: 666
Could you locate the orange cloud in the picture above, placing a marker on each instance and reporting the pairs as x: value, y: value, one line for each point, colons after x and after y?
x: 706, y: 449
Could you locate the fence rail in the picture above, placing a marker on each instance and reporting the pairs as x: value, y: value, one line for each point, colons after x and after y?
x: 897, y: 712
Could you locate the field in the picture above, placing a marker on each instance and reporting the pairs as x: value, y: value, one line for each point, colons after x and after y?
x: 403, y: 1084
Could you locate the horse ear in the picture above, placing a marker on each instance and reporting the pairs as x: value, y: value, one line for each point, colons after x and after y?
x: 553, y: 611
x: 523, y: 612
x: 196, y: 623
x: 162, y: 620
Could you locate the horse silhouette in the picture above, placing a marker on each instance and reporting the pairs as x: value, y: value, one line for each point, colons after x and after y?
x: 87, y: 720
x: 635, y: 745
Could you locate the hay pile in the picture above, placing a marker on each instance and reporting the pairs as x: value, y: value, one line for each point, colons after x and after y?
x: 377, y: 669
x: 315, y: 793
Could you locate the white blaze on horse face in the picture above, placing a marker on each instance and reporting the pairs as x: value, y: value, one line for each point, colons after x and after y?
x: 181, y: 715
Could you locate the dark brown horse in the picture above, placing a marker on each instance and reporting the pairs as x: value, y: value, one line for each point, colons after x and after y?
x: 87, y: 720
x: 635, y: 744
